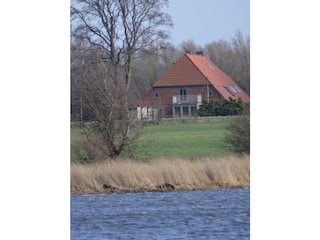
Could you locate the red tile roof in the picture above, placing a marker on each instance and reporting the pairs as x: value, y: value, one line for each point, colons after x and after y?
x: 182, y: 73
x: 195, y: 70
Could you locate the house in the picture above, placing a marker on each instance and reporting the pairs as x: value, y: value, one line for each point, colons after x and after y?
x: 181, y: 90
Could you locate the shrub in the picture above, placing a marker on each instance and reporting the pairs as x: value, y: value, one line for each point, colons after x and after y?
x: 222, y: 107
x: 238, y: 133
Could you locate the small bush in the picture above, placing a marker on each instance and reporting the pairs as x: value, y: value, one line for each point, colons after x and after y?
x: 222, y: 107
x: 238, y: 133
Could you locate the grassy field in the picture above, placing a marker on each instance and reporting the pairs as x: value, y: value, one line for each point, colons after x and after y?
x: 160, y: 175
x: 185, y: 140
x: 176, y: 139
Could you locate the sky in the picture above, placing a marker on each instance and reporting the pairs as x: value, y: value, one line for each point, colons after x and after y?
x: 205, y: 21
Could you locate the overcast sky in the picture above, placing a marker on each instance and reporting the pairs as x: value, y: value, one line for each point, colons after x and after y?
x: 205, y: 21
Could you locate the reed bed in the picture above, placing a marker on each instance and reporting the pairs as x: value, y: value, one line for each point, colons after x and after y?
x: 160, y: 175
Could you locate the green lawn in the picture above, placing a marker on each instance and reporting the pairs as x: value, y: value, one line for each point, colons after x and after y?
x: 188, y: 140
x: 176, y: 140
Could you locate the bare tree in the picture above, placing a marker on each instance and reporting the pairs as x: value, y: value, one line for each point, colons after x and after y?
x: 115, y: 32
x: 106, y: 100
x: 123, y: 29
x: 241, y: 46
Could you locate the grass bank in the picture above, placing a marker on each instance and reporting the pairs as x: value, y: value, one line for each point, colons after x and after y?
x: 160, y: 175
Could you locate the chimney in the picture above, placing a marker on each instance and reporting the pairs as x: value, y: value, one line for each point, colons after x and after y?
x: 200, y: 53
x: 188, y: 52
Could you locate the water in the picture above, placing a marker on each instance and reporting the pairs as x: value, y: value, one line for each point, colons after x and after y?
x: 218, y: 214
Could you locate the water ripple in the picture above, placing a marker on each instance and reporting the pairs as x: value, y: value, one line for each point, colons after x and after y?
x: 219, y: 214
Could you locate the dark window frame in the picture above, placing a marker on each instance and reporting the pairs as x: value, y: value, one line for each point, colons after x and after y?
x: 183, y: 94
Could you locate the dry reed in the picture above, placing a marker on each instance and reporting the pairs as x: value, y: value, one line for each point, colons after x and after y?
x: 161, y: 175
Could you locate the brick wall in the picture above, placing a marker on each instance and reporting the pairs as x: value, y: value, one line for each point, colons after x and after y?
x: 161, y: 97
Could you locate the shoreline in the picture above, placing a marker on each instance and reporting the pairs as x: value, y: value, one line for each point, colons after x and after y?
x: 125, y: 191
x: 163, y: 175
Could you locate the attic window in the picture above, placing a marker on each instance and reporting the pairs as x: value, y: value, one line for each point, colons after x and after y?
x: 232, y: 89
x: 212, y: 67
x: 237, y: 88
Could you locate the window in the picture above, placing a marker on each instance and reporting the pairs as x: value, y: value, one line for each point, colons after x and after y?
x: 156, y: 95
x: 237, y: 88
x: 185, y: 111
x: 183, y: 94
x: 232, y: 89
x: 212, y: 67
x: 193, y: 111
x: 177, y: 111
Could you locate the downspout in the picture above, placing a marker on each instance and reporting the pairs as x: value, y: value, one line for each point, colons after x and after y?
x: 207, y: 89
